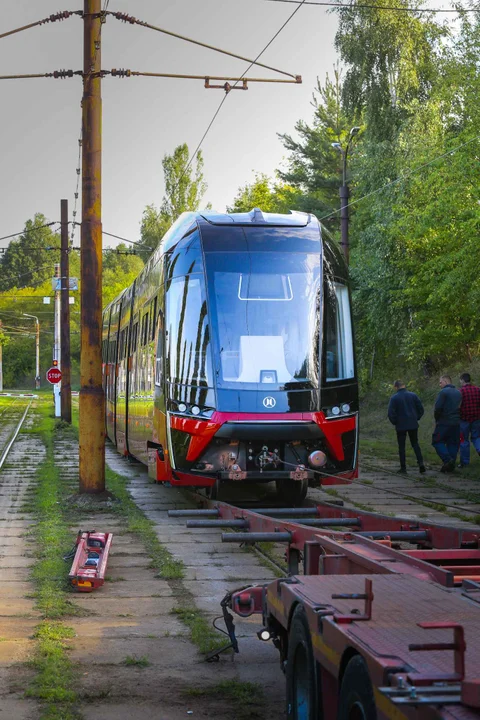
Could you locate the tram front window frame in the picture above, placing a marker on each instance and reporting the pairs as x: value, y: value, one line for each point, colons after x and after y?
x: 265, y: 309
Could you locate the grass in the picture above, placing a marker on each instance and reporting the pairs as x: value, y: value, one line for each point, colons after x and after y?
x: 246, y: 697
x: 202, y: 633
x: 53, y: 684
x: 161, y: 559
x: 133, y: 660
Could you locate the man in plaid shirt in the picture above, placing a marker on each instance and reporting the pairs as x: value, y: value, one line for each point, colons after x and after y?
x: 469, y: 418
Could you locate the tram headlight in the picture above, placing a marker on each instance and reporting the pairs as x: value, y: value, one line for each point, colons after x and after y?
x: 335, y: 410
x: 195, y: 410
x: 182, y: 407
x: 345, y: 408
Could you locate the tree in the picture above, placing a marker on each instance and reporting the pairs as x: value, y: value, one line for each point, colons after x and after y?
x: 277, y: 197
x: 184, y: 190
x: 28, y: 261
x: 120, y: 268
x: 391, y: 62
x: 314, y: 166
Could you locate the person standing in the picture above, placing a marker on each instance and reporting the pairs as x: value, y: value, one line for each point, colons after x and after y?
x: 446, y: 436
x: 404, y: 411
x: 469, y: 418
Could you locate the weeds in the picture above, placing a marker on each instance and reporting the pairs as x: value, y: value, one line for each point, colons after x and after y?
x: 133, y: 660
x: 248, y: 698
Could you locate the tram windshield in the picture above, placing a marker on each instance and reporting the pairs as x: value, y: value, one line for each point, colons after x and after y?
x: 265, y: 311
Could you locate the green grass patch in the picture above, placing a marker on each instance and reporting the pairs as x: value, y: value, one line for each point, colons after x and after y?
x: 54, y: 680
x: 202, y: 634
x: 134, y: 661
x: 247, y: 698
x: 161, y: 559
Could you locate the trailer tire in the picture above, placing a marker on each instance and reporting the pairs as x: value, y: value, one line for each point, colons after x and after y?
x: 356, y: 701
x: 301, y: 675
x: 292, y: 492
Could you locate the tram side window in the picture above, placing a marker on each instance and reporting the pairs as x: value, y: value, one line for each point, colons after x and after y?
x: 339, y: 363
x: 188, y: 350
x: 134, y: 339
x: 159, y: 355
x: 153, y: 317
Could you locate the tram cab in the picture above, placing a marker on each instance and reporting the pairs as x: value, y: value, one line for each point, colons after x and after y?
x: 237, y: 356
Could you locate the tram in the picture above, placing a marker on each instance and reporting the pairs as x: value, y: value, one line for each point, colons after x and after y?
x: 231, y: 357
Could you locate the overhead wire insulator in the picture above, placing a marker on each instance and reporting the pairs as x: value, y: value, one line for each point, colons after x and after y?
x: 62, y: 74
x: 121, y: 72
x: 124, y: 17
x: 62, y: 15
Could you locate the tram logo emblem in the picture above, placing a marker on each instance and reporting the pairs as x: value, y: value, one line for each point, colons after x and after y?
x: 269, y: 402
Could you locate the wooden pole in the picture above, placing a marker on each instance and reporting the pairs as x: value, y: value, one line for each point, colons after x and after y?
x: 66, y: 396
x: 92, y: 400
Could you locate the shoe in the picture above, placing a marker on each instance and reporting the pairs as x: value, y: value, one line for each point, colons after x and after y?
x: 461, y: 465
x: 422, y: 469
x: 448, y: 466
x: 402, y: 471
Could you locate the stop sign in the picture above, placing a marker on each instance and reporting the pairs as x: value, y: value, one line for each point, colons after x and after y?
x: 54, y: 375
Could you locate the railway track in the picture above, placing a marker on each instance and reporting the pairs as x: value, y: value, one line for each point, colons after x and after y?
x: 12, y: 417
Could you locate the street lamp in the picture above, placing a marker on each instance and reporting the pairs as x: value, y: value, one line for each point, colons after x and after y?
x: 37, y: 350
x: 344, y: 190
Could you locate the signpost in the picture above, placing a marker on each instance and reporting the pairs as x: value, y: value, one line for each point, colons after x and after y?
x: 54, y: 375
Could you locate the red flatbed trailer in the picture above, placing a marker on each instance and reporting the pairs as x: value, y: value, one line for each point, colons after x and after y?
x: 371, y: 630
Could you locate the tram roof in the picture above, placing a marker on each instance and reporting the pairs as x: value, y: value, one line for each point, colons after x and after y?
x: 257, y: 217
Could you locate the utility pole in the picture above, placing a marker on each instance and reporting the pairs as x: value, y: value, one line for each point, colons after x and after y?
x: 56, y: 340
x: 92, y: 400
x: 344, y: 219
x: 66, y: 394
x: 1, y: 360
x: 37, y: 349
x: 344, y: 192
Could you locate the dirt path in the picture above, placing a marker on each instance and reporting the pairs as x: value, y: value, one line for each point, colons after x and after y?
x: 130, y: 619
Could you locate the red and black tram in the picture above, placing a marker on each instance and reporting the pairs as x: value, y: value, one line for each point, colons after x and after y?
x: 231, y: 356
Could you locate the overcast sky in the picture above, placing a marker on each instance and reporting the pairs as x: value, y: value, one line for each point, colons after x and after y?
x: 144, y: 118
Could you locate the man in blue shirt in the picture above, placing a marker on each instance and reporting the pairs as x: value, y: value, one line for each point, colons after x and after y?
x: 446, y: 436
x: 404, y: 411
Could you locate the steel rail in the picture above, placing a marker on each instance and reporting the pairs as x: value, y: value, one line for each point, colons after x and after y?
x: 421, y: 500
x: 14, y: 437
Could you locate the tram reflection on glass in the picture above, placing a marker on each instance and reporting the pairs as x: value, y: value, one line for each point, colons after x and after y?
x: 231, y: 357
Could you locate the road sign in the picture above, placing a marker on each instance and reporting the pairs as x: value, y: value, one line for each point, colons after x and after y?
x: 54, y: 375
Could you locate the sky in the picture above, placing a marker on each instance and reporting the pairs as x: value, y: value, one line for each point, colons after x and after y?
x: 145, y: 118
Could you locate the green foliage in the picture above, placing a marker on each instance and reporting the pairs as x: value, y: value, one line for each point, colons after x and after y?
x: 28, y: 261
x: 314, y: 167
x: 266, y: 195
x: 184, y: 191
x: 120, y: 268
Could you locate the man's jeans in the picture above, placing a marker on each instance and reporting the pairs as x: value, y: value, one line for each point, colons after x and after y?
x: 401, y: 439
x: 446, y: 440
x: 469, y: 430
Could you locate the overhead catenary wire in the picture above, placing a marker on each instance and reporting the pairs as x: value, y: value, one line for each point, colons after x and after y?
x: 63, y: 15
x: 28, y: 230
x: 364, y: 6
x: 253, y: 62
x: 134, y: 21
x: 403, y: 177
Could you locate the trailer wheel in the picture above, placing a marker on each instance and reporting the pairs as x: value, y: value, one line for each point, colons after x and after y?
x: 301, y: 675
x: 292, y: 492
x: 356, y: 700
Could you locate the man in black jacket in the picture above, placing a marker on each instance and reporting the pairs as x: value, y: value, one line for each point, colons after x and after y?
x: 404, y: 411
x: 446, y: 436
